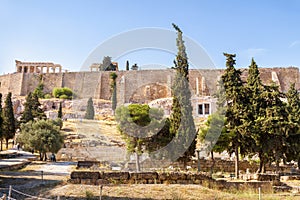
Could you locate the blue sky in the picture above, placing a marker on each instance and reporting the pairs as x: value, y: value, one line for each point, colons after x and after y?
x: 66, y: 32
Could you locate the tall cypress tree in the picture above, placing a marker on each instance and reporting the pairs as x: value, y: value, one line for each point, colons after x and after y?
x: 235, y: 98
x: 113, y: 77
x: 9, y: 128
x: 293, y: 138
x: 274, y: 124
x: 59, y: 114
x: 181, y: 120
x: 254, y: 137
x: 27, y: 114
x: 32, y: 109
x: 90, y: 113
x: 37, y: 112
x: 1, y: 123
x: 127, y: 65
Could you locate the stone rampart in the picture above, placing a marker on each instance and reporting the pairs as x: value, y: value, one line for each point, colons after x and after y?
x: 97, y: 84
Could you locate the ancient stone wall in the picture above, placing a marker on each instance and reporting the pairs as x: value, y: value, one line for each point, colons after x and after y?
x: 97, y: 84
x: 11, y: 83
x: 104, y: 178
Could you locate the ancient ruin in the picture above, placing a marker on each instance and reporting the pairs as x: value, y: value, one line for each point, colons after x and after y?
x: 37, y: 67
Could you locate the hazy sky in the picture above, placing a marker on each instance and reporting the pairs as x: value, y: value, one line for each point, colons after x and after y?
x: 67, y: 31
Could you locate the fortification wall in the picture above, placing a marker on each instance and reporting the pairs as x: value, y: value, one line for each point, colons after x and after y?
x: 11, y: 83
x: 97, y: 84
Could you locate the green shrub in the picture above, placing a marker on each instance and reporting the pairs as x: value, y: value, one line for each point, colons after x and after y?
x: 48, y: 96
x: 57, y: 92
x: 62, y: 93
x: 58, y: 122
x: 67, y: 91
x: 64, y: 97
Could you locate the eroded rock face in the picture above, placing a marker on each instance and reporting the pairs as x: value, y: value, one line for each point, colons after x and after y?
x: 71, y: 108
x: 150, y: 92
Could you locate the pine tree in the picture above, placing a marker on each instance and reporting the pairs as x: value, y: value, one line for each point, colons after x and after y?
x: 127, y: 65
x: 137, y: 123
x: 235, y: 98
x: 9, y: 129
x: 90, y: 113
x: 181, y: 120
x: 1, y: 123
x: 60, y: 114
x: 113, y: 77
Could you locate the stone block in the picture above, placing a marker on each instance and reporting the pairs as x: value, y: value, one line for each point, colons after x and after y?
x: 85, y: 175
x: 115, y: 175
x: 143, y: 175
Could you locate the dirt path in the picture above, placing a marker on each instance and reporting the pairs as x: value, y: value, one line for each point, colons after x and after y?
x: 36, y: 177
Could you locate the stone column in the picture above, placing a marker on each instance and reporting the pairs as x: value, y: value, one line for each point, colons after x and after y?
x: 47, y: 69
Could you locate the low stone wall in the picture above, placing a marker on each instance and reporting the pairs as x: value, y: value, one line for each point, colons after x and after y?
x: 100, y: 178
x: 14, y: 167
x: 95, y: 178
x: 229, y: 166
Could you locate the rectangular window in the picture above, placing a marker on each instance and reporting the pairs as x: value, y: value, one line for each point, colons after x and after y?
x: 206, y: 108
x: 200, y: 109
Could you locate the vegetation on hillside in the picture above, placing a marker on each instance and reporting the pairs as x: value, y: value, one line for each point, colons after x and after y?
x: 258, y: 121
x: 143, y: 128
x: 62, y: 93
x: 42, y: 136
x: 9, y: 122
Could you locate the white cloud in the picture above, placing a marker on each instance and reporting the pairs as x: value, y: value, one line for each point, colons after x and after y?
x: 295, y: 43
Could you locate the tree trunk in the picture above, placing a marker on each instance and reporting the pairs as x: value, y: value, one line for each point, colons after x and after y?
x: 45, y: 157
x: 261, y: 163
x: 6, y: 144
x: 298, y: 163
x: 138, y: 168
x: 1, y: 145
x: 236, y: 162
x: 213, y: 163
x: 41, y: 157
x: 277, y: 164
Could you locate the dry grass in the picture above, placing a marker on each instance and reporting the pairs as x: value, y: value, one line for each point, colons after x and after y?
x: 159, y: 192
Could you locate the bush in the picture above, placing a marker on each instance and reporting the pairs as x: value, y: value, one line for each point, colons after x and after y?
x: 48, y: 96
x: 62, y: 93
x: 58, y: 122
x: 64, y: 97
x: 67, y: 91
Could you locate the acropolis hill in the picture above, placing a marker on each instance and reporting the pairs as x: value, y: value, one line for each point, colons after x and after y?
x: 139, y: 86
